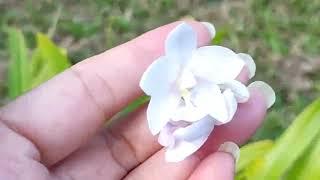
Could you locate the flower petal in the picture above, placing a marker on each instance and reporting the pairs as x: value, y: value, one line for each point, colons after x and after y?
x: 209, y: 98
x: 239, y: 90
x: 249, y: 63
x: 196, y: 130
x: 180, y: 42
x: 166, y: 137
x: 183, y: 149
x: 188, y: 113
x: 160, y: 109
x: 266, y: 90
x: 232, y: 105
x: 187, y: 80
x: 215, y: 63
x: 159, y: 76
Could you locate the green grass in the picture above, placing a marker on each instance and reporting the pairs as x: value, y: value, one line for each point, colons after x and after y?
x: 282, y: 35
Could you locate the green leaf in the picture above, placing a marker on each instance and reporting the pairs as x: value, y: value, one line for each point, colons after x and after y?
x: 36, y: 63
x: 311, y: 169
x: 252, y: 151
x: 251, y: 169
x: 131, y: 107
x: 307, y: 166
x: 50, y: 58
x: 292, y: 144
x: 220, y: 36
x: 134, y: 105
x: 18, y: 73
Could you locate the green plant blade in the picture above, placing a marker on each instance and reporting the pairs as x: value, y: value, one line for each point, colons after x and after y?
x: 36, y: 63
x: 311, y: 169
x: 307, y: 166
x: 135, y: 104
x: 220, y: 36
x: 50, y: 58
x: 18, y: 73
x: 252, y: 151
x: 292, y: 144
x: 131, y: 107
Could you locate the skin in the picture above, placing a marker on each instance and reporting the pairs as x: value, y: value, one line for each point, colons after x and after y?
x: 56, y: 132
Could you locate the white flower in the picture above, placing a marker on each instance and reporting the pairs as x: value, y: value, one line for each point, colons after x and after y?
x: 192, y: 90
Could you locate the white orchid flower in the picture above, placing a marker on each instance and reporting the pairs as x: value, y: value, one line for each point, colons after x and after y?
x: 192, y: 90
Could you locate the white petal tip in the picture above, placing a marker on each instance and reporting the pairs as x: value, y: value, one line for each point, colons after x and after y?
x: 165, y: 137
x: 166, y: 141
x: 244, y: 98
x: 239, y: 90
x: 249, y: 63
x: 172, y: 159
x: 153, y: 130
x: 210, y: 28
x: 266, y: 90
x: 231, y: 148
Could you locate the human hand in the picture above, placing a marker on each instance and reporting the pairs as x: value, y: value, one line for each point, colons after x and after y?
x: 56, y: 131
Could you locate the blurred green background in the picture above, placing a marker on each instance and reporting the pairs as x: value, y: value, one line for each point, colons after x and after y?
x: 283, y: 36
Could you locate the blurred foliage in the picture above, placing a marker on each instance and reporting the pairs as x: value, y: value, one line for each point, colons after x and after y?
x: 24, y: 72
x: 282, y: 35
x: 294, y: 155
x: 18, y: 70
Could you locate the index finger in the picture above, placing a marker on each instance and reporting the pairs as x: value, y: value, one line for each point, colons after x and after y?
x: 60, y: 115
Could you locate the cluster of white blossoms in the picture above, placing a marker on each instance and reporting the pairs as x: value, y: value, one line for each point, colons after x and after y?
x: 194, y: 89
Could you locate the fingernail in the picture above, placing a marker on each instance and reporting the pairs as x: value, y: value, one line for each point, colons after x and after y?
x: 249, y: 63
x: 266, y: 90
x: 210, y: 28
x: 231, y: 148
